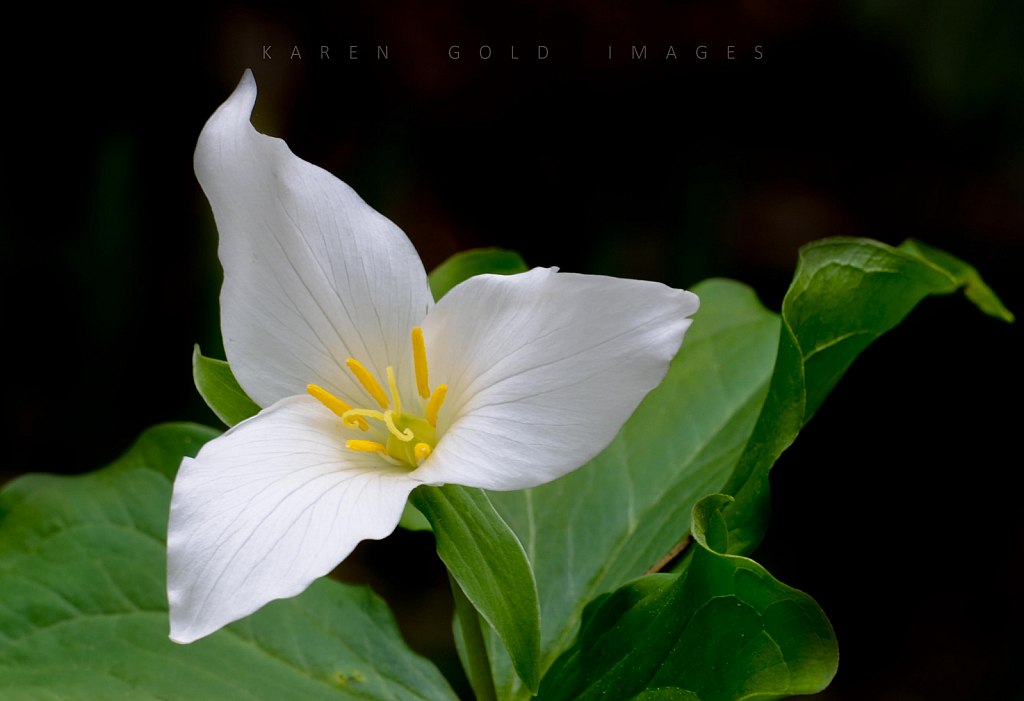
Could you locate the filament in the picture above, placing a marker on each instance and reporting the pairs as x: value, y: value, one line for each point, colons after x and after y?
x: 394, y: 391
x: 406, y: 435
x: 353, y: 417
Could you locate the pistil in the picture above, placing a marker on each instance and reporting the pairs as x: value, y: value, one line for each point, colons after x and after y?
x: 410, y: 439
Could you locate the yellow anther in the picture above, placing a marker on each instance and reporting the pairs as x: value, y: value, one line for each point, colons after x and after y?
x: 368, y: 382
x: 421, y: 451
x: 434, y: 405
x: 389, y: 420
x: 394, y: 391
x: 419, y: 356
x: 354, y: 417
x: 336, y: 405
x: 367, y: 447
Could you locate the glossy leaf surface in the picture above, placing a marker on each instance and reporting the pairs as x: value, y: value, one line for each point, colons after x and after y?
x: 220, y: 390
x: 723, y: 630
x: 487, y: 560
x: 83, y: 607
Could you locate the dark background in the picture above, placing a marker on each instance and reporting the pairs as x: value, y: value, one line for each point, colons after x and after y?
x: 897, y: 508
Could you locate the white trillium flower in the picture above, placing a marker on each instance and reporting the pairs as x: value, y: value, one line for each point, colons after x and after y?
x: 368, y: 389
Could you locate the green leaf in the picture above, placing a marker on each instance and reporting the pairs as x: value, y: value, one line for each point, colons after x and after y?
x: 665, y: 694
x: 723, y: 630
x: 83, y: 609
x: 488, y: 562
x: 845, y: 294
x: 462, y: 266
x: 611, y: 520
x: 220, y: 390
x: 608, y: 522
x: 472, y: 648
x: 966, y: 277
x: 413, y: 520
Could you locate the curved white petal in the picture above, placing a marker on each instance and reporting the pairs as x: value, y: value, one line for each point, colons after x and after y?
x: 270, y: 506
x: 312, y: 274
x: 543, y: 369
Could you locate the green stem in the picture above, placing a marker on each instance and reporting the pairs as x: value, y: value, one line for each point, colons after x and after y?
x: 476, y: 649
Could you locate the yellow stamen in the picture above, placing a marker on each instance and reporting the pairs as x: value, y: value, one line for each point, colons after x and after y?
x: 367, y: 447
x: 368, y: 382
x: 434, y: 405
x: 336, y: 405
x: 419, y: 356
x: 353, y: 417
x: 406, y: 435
x: 421, y: 451
x: 394, y: 391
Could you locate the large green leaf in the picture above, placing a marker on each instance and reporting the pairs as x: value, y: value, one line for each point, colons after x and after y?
x: 845, y: 294
x: 83, y: 609
x: 220, y: 390
x: 488, y: 563
x: 608, y: 522
x: 614, y: 518
x: 723, y: 630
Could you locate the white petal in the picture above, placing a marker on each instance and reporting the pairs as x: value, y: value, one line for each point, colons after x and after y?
x: 312, y: 274
x: 543, y: 368
x: 270, y: 506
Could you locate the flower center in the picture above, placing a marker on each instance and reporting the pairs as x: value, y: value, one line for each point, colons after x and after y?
x: 410, y: 438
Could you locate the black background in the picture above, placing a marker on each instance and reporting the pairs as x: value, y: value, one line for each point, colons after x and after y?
x: 897, y: 508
